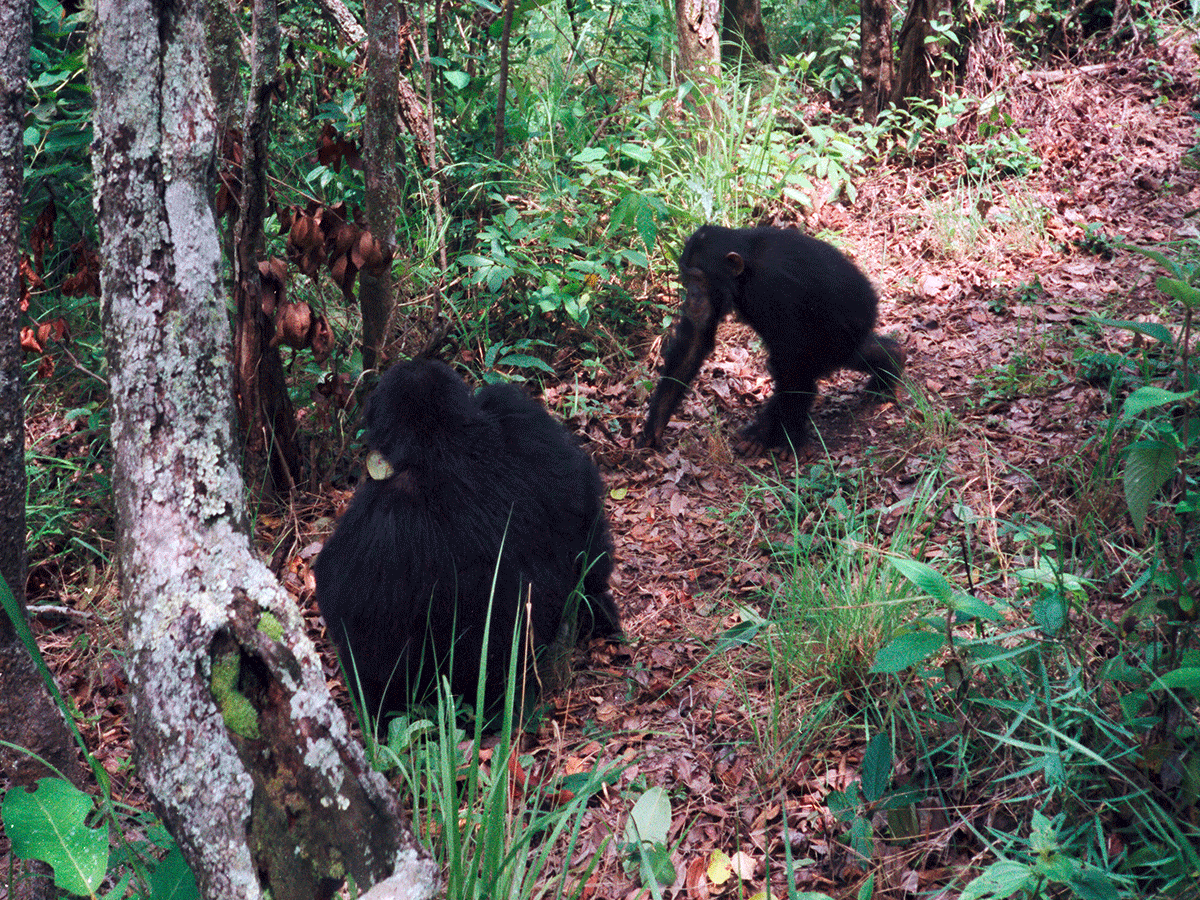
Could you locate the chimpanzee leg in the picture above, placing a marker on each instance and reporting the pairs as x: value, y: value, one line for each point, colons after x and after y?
x: 782, y: 424
x: 883, y: 359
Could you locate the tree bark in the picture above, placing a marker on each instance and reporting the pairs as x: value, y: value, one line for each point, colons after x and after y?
x: 238, y: 741
x: 14, y: 64
x: 376, y: 299
x: 914, y: 76
x: 699, y: 49
x: 265, y: 410
x: 348, y: 28
x: 875, y: 56
x: 697, y: 24
x: 502, y: 87
x: 29, y: 716
x: 743, y: 32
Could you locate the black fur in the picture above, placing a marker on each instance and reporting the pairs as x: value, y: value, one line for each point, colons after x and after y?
x: 812, y: 307
x: 408, y: 574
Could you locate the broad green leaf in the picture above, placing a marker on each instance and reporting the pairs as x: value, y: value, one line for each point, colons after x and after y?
x: 525, y: 361
x: 1179, y: 289
x: 739, y: 635
x: 50, y: 824
x: 1155, y: 330
x: 1001, y: 879
x: 637, y: 152
x: 973, y: 607
x: 650, y: 818
x: 877, y: 767
x: 907, y: 650
x: 1148, y: 465
x: 1093, y: 884
x: 658, y: 860
x: 173, y: 880
x: 458, y: 80
x: 926, y: 578
x: 1188, y: 678
x: 1145, y: 398
x: 590, y: 154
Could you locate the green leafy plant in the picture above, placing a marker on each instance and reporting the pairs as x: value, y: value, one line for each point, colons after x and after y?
x: 857, y: 804
x: 1046, y: 863
x: 51, y: 823
x: 646, y: 840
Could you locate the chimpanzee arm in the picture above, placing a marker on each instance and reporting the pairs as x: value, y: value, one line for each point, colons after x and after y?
x: 695, y: 336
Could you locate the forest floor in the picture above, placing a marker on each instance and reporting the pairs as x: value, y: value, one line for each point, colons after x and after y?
x: 993, y: 396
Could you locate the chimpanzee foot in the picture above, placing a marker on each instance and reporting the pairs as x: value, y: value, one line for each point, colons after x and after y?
x: 762, y: 438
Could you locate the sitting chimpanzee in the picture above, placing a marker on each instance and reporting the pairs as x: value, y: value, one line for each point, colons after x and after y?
x: 474, y: 503
x: 812, y: 307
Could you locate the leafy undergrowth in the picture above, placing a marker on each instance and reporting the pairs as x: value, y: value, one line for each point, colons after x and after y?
x: 755, y: 709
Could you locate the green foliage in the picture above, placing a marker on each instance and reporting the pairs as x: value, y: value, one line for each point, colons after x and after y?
x: 1048, y: 721
x: 645, y: 842
x: 1095, y: 241
x: 1045, y: 863
x: 491, y: 827
x: 1004, y: 151
x: 50, y: 823
x: 858, y: 804
x: 1164, y: 448
x: 493, y: 830
x: 58, y: 129
x: 1067, y: 727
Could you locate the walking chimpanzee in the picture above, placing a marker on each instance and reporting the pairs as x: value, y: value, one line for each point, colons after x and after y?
x: 812, y: 307
x: 475, y: 503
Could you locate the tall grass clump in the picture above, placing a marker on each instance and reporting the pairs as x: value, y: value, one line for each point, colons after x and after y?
x: 812, y: 640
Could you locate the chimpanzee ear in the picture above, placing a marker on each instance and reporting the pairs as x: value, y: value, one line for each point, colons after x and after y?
x: 736, y: 264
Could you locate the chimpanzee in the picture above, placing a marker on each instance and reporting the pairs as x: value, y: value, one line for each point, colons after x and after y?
x: 812, y: 307
x: 472, y: 501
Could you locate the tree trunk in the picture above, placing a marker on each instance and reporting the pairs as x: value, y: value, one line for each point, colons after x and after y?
x: 742, y: 30
x: 265, y: 410
x: 375, y: 293
x: 29, y: 717
x: 914, y: 77
x: 502, y: 87
x: 238, y: 741
x: 875, y: 56
x: 697, y: 24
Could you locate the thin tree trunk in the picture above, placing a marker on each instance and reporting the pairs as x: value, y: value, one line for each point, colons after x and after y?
x: 697, y: 24
x: 266, y: 415
x: 375, y: 292
x: 237, y: 738
x: 29, y: 717
x: 743, y: 32
x: 875, y: 56
x: 914, y: 75
x: 502, y: 89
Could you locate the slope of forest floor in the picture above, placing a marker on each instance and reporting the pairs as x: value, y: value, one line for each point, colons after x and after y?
x: 987, y: 289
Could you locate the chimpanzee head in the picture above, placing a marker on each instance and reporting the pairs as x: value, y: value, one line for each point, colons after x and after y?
x: 422, y: 415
